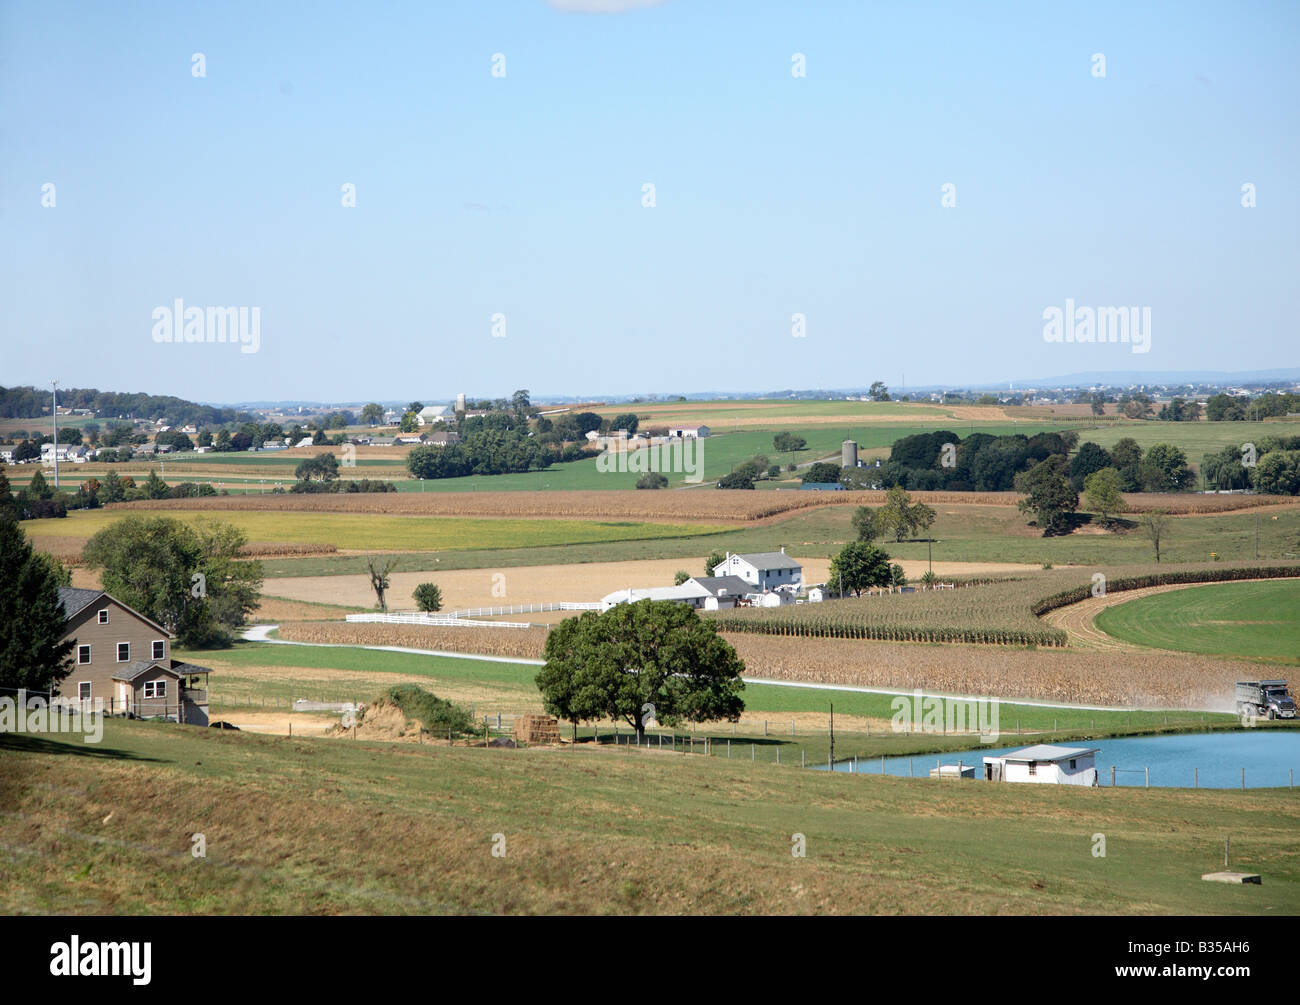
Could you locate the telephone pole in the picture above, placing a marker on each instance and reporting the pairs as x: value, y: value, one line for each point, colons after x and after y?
x: 832, y: 736
x: 54, y: 414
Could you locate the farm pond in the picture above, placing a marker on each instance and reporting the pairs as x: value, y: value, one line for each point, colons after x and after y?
x: 1270, y: 758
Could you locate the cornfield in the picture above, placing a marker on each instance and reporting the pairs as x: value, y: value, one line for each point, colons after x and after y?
x: 695, y: 504
x: 1001, y: 612
x: 519, y: 643
x: 1092, y: 678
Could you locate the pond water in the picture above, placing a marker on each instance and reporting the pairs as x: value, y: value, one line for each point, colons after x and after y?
x: 1269, y: 757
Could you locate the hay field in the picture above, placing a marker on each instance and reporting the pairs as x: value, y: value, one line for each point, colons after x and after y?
x: 270, y: 530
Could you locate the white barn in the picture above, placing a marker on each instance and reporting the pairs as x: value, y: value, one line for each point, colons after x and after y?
x: 1046, y: 764
x: 689, y: 592
x: 688, y: 432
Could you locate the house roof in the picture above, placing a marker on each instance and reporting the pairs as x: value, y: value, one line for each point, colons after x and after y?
x: 734, y: 586
x: 75, y: 601
x: 821, y: 487
x: 769, y: 560
x: 138, y: 668
x: 1048, y: 752
x: 687, y: 591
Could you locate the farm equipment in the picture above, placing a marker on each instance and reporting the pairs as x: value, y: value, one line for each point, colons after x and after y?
x: 1267, y: 699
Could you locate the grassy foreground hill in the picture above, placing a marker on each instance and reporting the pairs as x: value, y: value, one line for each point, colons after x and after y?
x: 338, y: 826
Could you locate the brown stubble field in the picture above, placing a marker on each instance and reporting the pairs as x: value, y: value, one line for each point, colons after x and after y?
x: 1111, y: 677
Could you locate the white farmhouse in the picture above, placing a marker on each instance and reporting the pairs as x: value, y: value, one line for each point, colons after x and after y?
x: 1044, y: 763
x: 689, y: 432
x: 765, y: 569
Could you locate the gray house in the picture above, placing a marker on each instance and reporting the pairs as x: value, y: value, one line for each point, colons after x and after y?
x: 124, y: 659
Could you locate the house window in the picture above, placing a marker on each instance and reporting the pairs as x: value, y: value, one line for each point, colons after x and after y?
x: 1071, y: 763
x: 83, y: 690
x: 155, y: 689
x: 123, y: 652
x: 158, y: 648
x: 1033, y: 767
x: 83, y: 654
x: 103, y: 616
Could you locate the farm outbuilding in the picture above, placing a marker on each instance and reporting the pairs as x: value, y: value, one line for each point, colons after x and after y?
x: 1046, y: 764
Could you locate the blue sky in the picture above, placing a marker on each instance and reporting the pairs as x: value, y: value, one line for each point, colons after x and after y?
x: 522, y: 195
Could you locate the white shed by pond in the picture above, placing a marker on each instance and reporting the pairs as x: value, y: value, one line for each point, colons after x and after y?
x: 1046, y: 763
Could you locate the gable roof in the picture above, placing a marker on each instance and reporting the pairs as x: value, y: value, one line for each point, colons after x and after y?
x: 75, y: 601
x: 1048, y: 752
x: 769, y: 560
x: 138, y: 668
x: 733, y: 585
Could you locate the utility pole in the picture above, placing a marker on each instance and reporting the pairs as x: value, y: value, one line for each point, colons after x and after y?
x: 832, y: 736
x: 54, y: 414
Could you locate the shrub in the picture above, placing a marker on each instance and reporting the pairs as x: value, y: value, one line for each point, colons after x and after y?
x: 428, y: 597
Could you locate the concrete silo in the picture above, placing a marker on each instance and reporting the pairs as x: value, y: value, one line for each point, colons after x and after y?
x: 849, y: 454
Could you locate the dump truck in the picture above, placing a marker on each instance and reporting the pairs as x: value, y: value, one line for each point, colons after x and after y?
x: 1267, y: 699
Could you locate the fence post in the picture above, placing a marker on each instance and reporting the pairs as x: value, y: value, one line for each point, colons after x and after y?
x: 792, y: 727
x: 909, y: 767
x: 728, y: 746
x: 765, y: 727
x: 801, y: 761
x: 1112, y: 776
x: 751, y: 752
x: 1196, y: 778
x: 1148, y: 771
x: 1243, y: 778
x: 778, y: 755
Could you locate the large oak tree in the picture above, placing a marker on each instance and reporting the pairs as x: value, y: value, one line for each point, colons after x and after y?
x: 651, y: 653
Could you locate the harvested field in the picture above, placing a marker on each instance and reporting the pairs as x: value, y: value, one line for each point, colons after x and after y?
x: 1150, y: 679
x: 544, y: 584
x: 535, y: 584
x: 1103, y: 678
x: 279, y: 609
x: 697, y: 504
x: 523, y: 643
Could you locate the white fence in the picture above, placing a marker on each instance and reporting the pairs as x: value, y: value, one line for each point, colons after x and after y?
x: 459, y: 618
